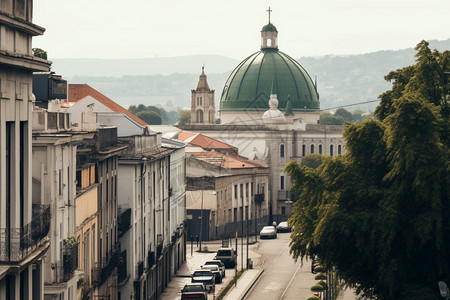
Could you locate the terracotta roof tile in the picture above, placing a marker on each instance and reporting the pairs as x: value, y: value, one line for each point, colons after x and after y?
x: 76, y: 92
x: 203, y: 141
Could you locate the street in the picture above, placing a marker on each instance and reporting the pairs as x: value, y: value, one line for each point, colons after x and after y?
x: 283, y: 278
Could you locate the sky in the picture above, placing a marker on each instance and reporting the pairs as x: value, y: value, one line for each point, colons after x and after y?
x: 114, y: 29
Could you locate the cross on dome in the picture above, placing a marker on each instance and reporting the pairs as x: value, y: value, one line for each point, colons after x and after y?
x: 269, y: 11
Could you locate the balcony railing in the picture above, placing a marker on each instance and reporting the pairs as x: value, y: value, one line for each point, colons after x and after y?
x: 65, y: 269
x: 17, y: 243
x: 109, y: 263
x: 284, y: 195
x: 139, y: 269
x: 124, y: 222
x: 159, y: 247
x: 259, y: 198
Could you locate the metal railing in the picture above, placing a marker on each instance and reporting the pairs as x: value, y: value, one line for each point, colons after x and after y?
x: 17, y: 243
x: 159, y: 247
x: 65, y: 269
x: 101, y: 273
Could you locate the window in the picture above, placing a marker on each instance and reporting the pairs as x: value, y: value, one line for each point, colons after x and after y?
x: 246, y: 190
x: 339, y: 149
x: 331, y: 150
x: 235, y: 191
x: 320, y: 149
x: 283, y: 210
x: 199, y: 116
x: 282, y: 183
x: 303, y: 150
x: 281, y: 150
x: 312, y: 149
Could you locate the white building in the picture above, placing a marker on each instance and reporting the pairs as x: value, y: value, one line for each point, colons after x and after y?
x: 24, y: 224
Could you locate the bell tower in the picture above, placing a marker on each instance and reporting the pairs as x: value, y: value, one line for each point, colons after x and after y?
x: 269, y: 35
x: 203, y: 109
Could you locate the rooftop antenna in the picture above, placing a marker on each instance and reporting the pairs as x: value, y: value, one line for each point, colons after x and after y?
x: 269, y: 11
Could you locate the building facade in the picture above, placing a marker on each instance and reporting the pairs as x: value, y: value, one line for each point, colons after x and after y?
x: 24, y: 223
x: 203, y: 109
x: 269, y: 110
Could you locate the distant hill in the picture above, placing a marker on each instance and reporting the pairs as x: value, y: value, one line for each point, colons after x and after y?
x: 342, y: 80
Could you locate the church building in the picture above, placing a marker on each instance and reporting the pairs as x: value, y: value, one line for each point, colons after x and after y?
x: 269, y: 109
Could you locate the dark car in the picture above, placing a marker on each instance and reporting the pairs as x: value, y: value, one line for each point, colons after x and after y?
x: 206, y: 277
x: 283, y: 227
x: 194, y: 291
x: 227, y: 256
x: 216, y: 263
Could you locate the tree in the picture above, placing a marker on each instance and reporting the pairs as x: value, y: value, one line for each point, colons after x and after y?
x: 429, y: 77
x: 151, y: 117
x: 344, y: 114
x: 327, y: 118
x: 38, y: 52
x: 378, y: 214
x: 185, y: 118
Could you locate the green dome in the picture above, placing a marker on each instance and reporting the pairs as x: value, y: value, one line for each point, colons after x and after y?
x: 269, y: 27
x: 266, y: 72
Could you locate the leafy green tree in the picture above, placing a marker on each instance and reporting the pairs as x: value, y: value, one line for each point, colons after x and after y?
x: 344, y: 114
x: 185, y: 118
x: 429, y: 77
x: 160, y: 111
x: 378, y: 214
x: 327, y: 118
x: 151, y: 117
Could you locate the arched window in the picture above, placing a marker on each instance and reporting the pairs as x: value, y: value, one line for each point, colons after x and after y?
x: 331, y: 150
x: 303, y: 150
x: 312, y: 149
x: 339, y: 149
x: 320, y: 148
x: 211, y: 117
x: 199, y: 116
x: 269, y: 42
x: 281, y: 150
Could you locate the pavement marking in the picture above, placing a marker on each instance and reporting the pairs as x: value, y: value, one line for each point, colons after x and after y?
x: 290, y: 282
x: 276, y: 258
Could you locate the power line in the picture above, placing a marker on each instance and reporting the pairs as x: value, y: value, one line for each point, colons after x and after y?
x: 347, y: 105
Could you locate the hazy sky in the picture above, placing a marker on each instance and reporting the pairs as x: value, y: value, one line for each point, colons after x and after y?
x: 166, y: 28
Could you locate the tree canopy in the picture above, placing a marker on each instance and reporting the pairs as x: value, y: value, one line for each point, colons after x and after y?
x: 149, y: 116
x: 379, y: 214
x: 185, y: 118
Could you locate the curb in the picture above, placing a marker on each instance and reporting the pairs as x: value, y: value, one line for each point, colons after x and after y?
x: 250, y: 287
x: 246, y: 290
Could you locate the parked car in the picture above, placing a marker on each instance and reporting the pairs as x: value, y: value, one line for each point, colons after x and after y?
x: 216, y: 263
x: 215, y: 270
x: 227, y: 256
x: 268, y: 232
x: 194, y: 291
x: 283, y: 227
x: 206, y: 277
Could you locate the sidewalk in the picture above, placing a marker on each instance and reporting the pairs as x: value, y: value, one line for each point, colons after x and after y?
x: 244, y: 284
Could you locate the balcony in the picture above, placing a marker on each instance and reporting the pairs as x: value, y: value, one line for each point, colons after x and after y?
x: 159, y: 247
x: 101, y: 273
x: 17, y: 243
x: 124, y: 222
x: 284, y: 195
x: 259, y: 198
x: 150, y: 259
x: 139, y: 269
x: 65, y: 269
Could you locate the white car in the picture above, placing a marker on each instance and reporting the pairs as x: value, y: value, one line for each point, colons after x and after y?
x: 218, y: 263
x: 216, y: 271
x: 268, y: 232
